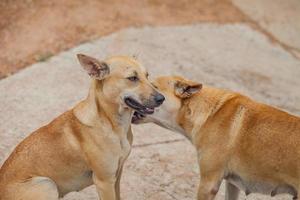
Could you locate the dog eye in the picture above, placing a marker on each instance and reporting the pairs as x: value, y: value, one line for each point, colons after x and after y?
x: 133, y: 78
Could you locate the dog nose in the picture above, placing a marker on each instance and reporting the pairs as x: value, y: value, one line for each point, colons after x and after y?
x: 159, y: 98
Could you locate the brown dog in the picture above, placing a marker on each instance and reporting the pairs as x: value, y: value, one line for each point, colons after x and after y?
x: 86, y: 145
x: 254, y: 147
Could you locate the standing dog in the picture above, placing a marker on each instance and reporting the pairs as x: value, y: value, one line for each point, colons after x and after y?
x: 254, y: 147
x: 86, y: 145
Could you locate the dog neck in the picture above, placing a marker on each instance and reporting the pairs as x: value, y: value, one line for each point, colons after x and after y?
x: 196, y: 110
x: 98, y: 109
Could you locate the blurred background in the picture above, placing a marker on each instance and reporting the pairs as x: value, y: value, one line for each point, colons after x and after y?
x: 250, y: 46
x: 34, y: 30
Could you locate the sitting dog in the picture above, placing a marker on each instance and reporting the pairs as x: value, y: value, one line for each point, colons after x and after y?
x: 87, y: 144
x: 253, y: 146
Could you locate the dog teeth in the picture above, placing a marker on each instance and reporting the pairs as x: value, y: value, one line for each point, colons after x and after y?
x: 149, y: 110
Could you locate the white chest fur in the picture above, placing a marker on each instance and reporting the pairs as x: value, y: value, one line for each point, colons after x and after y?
x: 125, y: 148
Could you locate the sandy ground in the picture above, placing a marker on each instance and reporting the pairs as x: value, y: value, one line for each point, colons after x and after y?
x: 34, y: 30
x: 162, y: 164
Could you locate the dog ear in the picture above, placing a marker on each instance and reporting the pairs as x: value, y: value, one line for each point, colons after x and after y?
x: 96, y: 69
x: 185, y: 88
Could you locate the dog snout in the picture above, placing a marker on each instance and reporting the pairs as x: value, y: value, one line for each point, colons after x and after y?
x: 159, y: 98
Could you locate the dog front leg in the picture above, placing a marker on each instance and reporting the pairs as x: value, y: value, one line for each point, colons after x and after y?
x: 209, y: 187
x: 105, y: 188
x: 117, y: 185
x: 211, y: 175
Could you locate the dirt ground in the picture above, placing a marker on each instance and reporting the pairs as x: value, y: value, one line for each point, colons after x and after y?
x: 34, y: 30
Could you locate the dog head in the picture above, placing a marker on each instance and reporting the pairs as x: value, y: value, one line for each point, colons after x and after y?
x: 176, y: 90
x: 123, y: 81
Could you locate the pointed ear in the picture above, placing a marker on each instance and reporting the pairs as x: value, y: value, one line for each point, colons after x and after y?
x: 185, y: 89
x: 96, y: 69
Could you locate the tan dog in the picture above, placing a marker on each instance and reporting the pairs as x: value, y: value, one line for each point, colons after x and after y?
x: 86, y: 145
x: 254, y: 147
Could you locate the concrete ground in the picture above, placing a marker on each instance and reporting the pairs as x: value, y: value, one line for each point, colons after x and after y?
x: 260, y: 61
x: 279, y: 18
x: 162, y: 164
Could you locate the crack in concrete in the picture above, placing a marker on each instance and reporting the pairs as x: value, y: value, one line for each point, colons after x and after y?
x: 256, y: 26
x: 168, y: 193
x: 161, y: 188
x: 273, y: 39
x: 157, y: 143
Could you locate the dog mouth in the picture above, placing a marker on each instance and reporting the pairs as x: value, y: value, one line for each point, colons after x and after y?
x: 139, y: 108
x: 137, y: 117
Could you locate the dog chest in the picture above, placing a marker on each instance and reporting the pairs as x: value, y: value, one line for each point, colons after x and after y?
x: 125, y: 148
x: 75, y: 183
x: 117, y: 146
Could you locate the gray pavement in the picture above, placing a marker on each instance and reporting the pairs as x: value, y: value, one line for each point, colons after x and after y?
x: 162, y: 164
x: 281, y: 18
